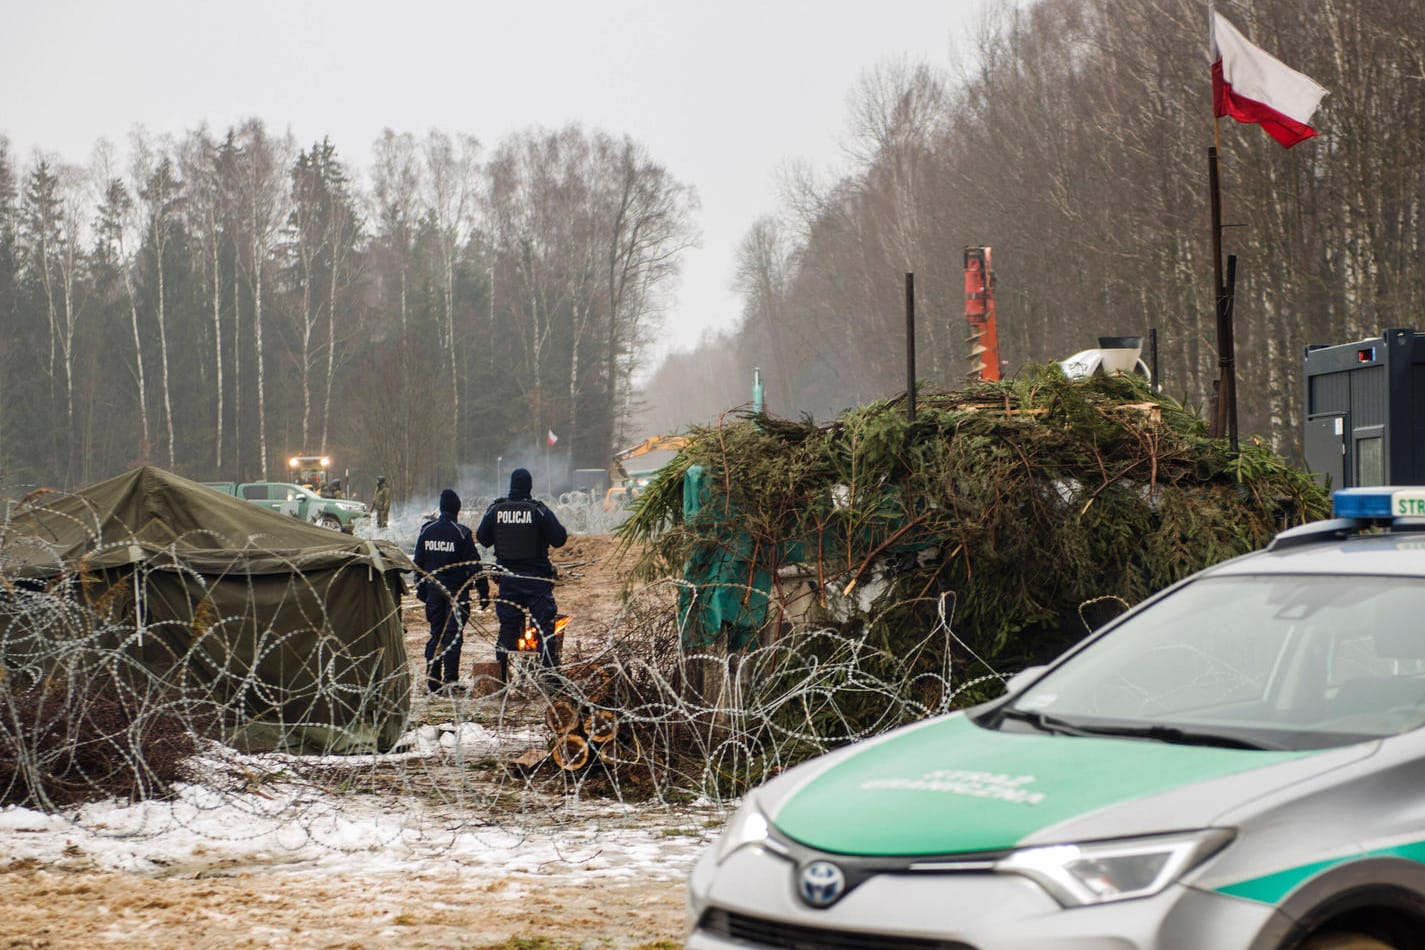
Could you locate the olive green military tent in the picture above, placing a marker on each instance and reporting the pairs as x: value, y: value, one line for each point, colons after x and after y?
x: 276, y: 633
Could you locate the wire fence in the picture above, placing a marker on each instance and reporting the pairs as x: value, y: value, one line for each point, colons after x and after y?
x: 177, y: 688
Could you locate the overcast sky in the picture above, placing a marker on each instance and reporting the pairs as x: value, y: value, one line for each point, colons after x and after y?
x: 724, y: 94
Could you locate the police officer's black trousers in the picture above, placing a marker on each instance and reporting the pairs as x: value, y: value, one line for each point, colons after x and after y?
x: 521, y: 598
x: 443, y: 648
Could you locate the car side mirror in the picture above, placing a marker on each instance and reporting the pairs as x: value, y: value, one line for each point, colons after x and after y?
x: 1023, y: 678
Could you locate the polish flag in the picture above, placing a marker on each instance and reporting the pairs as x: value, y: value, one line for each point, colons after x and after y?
x: 1251, y: 85
x: 551, y: 437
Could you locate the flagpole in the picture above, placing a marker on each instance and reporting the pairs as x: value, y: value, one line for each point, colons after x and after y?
x: 1219, y: 401
x: 1279, y: 99
x: 1214, y: 191
x: 1224, y: 416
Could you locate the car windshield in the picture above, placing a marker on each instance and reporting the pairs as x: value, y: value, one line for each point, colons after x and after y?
x: 1278, y: 662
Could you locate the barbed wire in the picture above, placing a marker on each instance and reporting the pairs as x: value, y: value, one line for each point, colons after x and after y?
x: 177, y: 687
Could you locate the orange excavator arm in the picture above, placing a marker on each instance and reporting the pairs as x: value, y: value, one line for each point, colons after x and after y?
x: 980, y: 314
x: 651, y: 444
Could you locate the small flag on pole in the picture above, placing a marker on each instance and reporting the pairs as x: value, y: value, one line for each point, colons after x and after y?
x: 1253, y: 86
x: 552, y: 437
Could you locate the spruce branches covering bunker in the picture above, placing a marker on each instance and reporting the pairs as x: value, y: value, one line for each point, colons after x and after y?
x: 1025, y: 505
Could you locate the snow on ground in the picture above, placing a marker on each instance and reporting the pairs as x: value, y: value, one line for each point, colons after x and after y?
x: 293, y: 825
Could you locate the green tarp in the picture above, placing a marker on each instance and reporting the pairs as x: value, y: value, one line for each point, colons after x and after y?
x: 290, y: 633
x: 728, y: 592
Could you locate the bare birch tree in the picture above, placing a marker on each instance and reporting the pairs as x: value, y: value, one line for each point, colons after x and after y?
x: 650, y: 225
x: 449, y: 177
x: 41, y: 213
x: 159, y: 193
x: 67, y: 281
x: 261, y: 166
x: 528, y: 218
x: 322, y: 229
x: 307, y: 226
x: 118, y: 228
x: 396, y: 190
x: 40, y: 232
x: 9, y: 304
x: 763, y: 278
x: 343, y: 231
x: 199, y: 164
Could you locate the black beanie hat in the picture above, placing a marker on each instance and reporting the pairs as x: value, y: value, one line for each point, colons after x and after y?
x: 520, y: 481
x: 449, y: 502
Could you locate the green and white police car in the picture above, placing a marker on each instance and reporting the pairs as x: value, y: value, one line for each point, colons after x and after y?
x: 1237, y: 762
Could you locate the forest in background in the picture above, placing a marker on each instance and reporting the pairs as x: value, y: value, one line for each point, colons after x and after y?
x: 1074, y: 143
x: 215, y: 303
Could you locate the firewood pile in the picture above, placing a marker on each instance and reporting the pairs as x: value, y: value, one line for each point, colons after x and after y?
x: 616, y: 715
x: 589, y: 742
x: 585, y: 735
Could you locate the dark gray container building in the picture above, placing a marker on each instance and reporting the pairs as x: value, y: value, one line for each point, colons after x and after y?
x: 1365, y: 411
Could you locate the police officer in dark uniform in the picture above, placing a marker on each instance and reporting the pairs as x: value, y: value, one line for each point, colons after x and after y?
x: 447, y: 562
x: 522, y: 530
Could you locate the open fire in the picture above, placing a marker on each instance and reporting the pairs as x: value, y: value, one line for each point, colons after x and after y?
x: 529, y: 640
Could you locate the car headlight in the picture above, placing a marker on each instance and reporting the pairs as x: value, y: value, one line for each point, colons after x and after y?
x: 1097, y: 872
x: 747, y: 827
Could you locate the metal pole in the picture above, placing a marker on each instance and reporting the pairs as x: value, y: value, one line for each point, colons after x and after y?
x: 1229, y: 360
x: 1219, y: 413
x: 1153, y: 358
x: 909, y: 347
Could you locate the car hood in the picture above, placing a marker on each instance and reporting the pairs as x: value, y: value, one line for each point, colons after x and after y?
x: 949, y: 786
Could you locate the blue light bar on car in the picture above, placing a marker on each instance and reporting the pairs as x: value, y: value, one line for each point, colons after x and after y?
x: 1380, y: 502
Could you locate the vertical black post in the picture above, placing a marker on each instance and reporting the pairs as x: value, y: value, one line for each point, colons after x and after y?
x: 1219, y: 414
x: 1229, y: 363
x: 1153, y: 357
x: 910, y: 347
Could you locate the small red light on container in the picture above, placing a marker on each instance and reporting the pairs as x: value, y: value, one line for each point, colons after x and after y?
x: 1366, y: 355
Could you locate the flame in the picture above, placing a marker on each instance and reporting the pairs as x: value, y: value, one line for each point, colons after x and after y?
x: 529, y: 640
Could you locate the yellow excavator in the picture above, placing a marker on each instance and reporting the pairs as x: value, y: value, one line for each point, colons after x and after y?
x: 626, y: 485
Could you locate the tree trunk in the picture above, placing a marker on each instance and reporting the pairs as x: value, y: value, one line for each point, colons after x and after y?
x: 257, y: 254
x: 338, y: 255
x: 217, y: 354
x: 138, y: 354
x: 159, y: 244
x: 237, y: 370
x: 450, y: 347
x: 306, y: 350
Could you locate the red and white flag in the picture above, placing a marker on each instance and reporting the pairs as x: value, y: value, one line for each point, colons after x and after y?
x: 1253, y: 86
x: 552, y: 437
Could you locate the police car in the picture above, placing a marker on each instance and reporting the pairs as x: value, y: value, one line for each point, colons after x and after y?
x: 1238, y: 761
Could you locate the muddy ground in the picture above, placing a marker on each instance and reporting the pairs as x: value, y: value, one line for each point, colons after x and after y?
x: 75, y: 907
x: 71, y: 903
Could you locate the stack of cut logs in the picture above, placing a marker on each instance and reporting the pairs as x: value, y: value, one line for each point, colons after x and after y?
x: 583, y: 736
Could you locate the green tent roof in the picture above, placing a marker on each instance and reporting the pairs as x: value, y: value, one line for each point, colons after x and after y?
x: 291, y: 634
x: 149, y: 512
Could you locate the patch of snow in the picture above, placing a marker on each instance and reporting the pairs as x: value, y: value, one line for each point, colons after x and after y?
x: 293, y: 826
